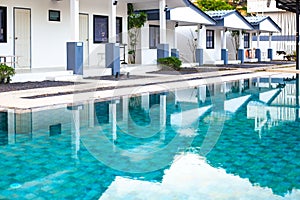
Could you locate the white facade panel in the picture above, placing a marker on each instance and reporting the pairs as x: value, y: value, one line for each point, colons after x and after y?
x: 234, y: 21
x: 48, y: 39
x: 212, y: 55
x: 266, y: 25
x: 260, y: 6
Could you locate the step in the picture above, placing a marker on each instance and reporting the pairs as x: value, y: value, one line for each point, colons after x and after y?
x: 39, y: 76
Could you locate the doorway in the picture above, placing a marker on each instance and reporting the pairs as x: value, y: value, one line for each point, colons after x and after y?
x: 22, y: 37
x: 84, y: 36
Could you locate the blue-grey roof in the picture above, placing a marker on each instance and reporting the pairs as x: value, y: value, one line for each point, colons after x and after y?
x: 219, y: 14
x: 256, y: 20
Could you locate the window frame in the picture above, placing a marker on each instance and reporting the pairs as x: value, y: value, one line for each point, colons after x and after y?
x: 50, y: 17
x: 119, y: 30
x: 3, y: 25
x: 97, y: 38
x: 247, y: 42
x: 210, y: 39
x: 156, y: 35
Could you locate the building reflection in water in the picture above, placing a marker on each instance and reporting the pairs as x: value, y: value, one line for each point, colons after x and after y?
x: 152, y: 121
x: 131, y: 115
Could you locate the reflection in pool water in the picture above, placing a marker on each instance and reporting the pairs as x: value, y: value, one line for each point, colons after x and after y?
x: 233, y: 140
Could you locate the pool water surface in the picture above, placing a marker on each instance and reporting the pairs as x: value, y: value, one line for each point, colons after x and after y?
x: 206, y: 142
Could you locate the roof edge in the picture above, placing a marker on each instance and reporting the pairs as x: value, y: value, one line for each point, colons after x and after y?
x: 188, y: 3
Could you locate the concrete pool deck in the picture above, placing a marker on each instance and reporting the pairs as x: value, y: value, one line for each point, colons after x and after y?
x: 96, y: 90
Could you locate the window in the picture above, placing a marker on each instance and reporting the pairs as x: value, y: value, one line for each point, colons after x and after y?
x: 100, y: 29
x: 246, y: 40
x: 210, y: 39
x: 54, y: 15
x: 119, y: 30
x: 3, y: 26
x: 153, y: 36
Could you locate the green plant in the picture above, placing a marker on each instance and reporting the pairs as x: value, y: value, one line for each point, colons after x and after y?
x: 5, y: 73
x: 173, y: 62
x: 207, y: 5
x: 135, y: 22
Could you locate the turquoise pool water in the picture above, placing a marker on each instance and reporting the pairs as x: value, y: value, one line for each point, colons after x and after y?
x: 101, y: 149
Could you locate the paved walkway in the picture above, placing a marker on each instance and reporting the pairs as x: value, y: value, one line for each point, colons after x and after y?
x: 96, y: 90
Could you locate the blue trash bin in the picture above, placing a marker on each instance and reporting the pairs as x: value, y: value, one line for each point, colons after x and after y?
x: 75, y: 57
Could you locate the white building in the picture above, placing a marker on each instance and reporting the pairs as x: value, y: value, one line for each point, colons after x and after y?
x: 283, y: 41
x: 34, y: 33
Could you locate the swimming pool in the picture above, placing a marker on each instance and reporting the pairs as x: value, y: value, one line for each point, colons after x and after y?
x: 235, y: 140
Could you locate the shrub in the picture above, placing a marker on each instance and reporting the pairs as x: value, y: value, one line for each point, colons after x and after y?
x: 5, y: 73
x: 172, y: 62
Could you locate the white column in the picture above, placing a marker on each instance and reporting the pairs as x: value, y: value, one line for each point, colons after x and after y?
x: 163, y: 110
x: 113, y: 120
x: 258, y: 38
x: 11, y: 126
x: 203, y: 37
x: 112, y: 22
x: 250, y: 83
x: 145, y: 101
x: 224, y: 39
x: 241, y: 85
x: 163, y: 115
x: 175, y: 38
x: 199, y: 36
x: 124, y: 125
x: 125, y: 108
x: 250, y: 40
x: 175, y: 96
x: 270, y: 40
x: 91, y: 114
x: 258, y: 81
x: 224, y: 87
x: 202, y: 93
x: 74, y: 20
x: 162, y: 22
x: 76, y: 135
x: 241, y: 40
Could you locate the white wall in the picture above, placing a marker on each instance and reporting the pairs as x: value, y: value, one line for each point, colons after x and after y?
x: 100, y: 7
x: 145, y: 55
x: 254, y: 6
x: 211, y: 55
x: 49, y: 38
x: 264, y: 46
x: 287, y: 22
x: 185, y: 36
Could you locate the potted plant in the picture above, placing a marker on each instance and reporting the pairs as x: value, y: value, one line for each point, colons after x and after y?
x: 6, y: 72
x: 135, y: 22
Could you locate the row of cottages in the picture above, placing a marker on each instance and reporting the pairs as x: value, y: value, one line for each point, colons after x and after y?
x: 230, y: 40
x: 284, y: 41
x: 34, y: 34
